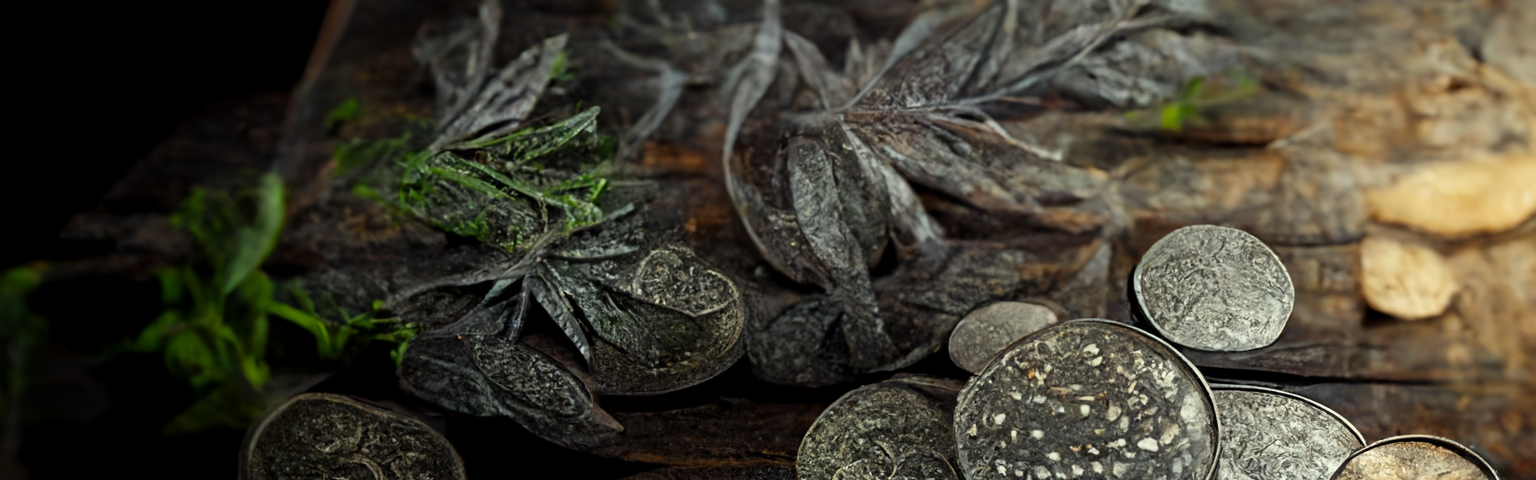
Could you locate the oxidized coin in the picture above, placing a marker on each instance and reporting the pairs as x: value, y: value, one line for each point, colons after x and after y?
x: 898, y: 428
x: 321, y: 435
x: 1273, y: 435
x: 1090, y: 399
x: 1415, y: 457
x: 1214, y: 288
x: 988, y: 330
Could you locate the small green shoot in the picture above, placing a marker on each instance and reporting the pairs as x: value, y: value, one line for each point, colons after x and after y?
x: 347, y: 112
x: 1173, y: 117
x: 345, y: 332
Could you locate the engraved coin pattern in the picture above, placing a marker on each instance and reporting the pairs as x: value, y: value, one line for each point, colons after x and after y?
x: 988, y: 330
x: 332, y: 436
x: 1087, y: 399
x: 878, y: 432
x: 1410, y: 460
x: 1272, y: 436
x: 1214, y: 288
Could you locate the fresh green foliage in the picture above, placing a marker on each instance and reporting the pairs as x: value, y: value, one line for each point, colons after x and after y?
x: 1236, y: 85
x: 21, y: 331
x: 215, y: 327
x: 345, y: 113
x: 334, y: 338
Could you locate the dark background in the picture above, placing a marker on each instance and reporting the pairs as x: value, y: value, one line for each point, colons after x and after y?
x: 104, y: 82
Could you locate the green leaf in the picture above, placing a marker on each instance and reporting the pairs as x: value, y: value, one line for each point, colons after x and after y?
x: 346, y: 112
x: 1171, y: 118
x: 308, y: 322
x: 186, y: 352
x: 398, y: 354
x: 1192, y: 89
x: 256, y: 371
x: 254, y: 242
x: 153, y: 335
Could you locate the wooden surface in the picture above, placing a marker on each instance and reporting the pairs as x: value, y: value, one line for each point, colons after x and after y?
x: 1371, y: 93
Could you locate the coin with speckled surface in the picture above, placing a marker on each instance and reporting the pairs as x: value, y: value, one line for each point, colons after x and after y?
x: 1415, y: 457
x: 1268, y: 434
x: 1089, y: 399
x: 321, y: 435
x: 894, y: 429
x: 988, y: 330
x: 1214, y: 288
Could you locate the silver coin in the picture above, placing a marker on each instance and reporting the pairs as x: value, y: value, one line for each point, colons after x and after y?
x: 897, y: 428
x: 321, y: 435
x: 988, y: 330
x: 1214, y: 288
x: 1413, y: 457
x: 1090, y: 399
x: 1273, y: 435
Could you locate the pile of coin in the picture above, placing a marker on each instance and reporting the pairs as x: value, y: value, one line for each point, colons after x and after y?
x: 1099, y: 399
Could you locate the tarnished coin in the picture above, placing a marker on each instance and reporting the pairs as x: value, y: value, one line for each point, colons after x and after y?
x: 1214, y: 288
x: 895, y: 429
x: 1415, y: 457
x: 1268, y: 434
x: 1090, y: 399
x: 321, y: 435
x: 988, y: 330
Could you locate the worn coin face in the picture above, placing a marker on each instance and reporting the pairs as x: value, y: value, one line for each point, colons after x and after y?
x: 1090, y: 399
x: 898, y: 428
x: 1414, y: 457
x: 319, y: 435
x: 1273, y: 435
x: 988, y: 330
x: 1214, y: 288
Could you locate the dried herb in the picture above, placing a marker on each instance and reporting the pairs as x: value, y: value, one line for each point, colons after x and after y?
x: 642, y: 313
x: 879, y: 160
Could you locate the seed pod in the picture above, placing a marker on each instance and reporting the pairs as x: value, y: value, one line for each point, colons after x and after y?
x: 1214, y: 288
x: 321, y: 435
x: 1090, y: 399
x: 1413, y: 457
x: 988, y: 330
x: 1268, y: 434
x: 897, y: 428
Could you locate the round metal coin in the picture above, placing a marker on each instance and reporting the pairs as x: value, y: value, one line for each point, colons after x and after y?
x: 894, y: 429
x: 321, y: 435
x: 1413, y: 457
x: 1214, y: 288
x: 1268, y: 434
x: 1090, y: 399
x: 988, y: 330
